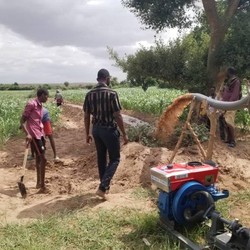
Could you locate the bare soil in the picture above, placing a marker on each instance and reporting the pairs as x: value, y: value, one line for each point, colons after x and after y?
x: 74, y: 180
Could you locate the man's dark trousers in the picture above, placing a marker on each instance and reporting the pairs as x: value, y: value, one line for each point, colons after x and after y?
x: 107, y: 140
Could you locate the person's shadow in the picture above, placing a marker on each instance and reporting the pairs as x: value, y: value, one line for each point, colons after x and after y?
x: 59, y: 205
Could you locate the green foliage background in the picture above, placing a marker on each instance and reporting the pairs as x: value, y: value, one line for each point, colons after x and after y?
x: 12, y: 104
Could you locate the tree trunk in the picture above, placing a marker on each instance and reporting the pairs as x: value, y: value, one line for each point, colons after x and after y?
x: 213, y: 63
x: 218, y: 28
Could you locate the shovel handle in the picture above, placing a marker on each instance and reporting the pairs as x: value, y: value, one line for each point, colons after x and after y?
x: 25, y: 156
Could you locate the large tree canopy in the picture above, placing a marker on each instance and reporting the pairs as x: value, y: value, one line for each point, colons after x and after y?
x: 160, y: 14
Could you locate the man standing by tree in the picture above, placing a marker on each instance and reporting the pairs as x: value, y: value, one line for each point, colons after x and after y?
x: 231, y: 93
x: 104, y: 106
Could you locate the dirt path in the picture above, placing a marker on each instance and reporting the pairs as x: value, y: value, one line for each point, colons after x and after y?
x: 74, y: 180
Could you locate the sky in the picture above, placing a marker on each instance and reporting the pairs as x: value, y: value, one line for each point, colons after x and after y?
x: 45, y: 41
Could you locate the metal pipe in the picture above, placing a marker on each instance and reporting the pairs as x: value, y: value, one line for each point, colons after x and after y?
x: 242, y: 103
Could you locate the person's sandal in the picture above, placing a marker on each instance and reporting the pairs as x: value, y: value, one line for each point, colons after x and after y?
x: 101, y: 194
x: 56, y: 159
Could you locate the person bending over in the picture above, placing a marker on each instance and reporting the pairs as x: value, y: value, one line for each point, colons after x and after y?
x: 48, y: 131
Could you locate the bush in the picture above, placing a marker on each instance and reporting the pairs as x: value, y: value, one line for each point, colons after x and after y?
x: 114, y: 81
x: 89, y: 86
x: 242, y: 118
x: 162, y: 84
x: 66, y: 84
x: 200, y: 130
x: 124, y: 84
x: 143, y: 134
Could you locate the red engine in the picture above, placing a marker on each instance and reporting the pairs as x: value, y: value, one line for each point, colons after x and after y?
x: 172, y: 176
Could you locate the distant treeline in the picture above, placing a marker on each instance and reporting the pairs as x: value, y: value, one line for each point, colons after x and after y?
x: 66, y: 85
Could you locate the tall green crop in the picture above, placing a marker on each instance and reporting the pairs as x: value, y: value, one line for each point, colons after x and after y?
x: 153, y: 101
x: 10, y: 111
x: 11, y: 107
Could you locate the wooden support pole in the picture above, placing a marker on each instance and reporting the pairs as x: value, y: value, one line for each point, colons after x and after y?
x: 197, y: 140
x: 213, y: 124
x: 184, y: 128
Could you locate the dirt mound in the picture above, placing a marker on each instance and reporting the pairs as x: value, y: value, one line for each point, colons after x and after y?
x: 74, y: 180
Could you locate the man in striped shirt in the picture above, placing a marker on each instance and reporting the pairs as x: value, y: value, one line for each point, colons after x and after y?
x: 103, y: 104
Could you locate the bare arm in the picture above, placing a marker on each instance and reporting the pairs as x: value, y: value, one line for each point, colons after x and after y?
x: 22, y: 124
x: 119, y: 120
x: 23, y: 127
x: 87, y: 127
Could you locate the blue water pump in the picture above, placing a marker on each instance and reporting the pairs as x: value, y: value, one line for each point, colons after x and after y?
x: 187, y: 191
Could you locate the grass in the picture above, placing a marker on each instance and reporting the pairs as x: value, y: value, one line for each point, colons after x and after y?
x: 235, y: 200
x: 144, y: 193
x: 102, y: 229
x: 122, y: 228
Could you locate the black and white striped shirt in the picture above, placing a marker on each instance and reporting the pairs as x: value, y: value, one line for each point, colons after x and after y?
x: 102, y: 102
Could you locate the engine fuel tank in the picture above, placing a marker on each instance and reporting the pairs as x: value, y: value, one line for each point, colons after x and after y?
x: 171, y: 177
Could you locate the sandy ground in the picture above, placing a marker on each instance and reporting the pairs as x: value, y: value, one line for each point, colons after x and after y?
x: 74, y: 180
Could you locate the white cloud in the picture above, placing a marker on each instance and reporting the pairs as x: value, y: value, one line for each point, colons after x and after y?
x: 94, y: 2
x: 65, y: 40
